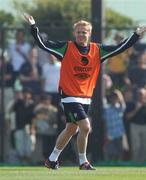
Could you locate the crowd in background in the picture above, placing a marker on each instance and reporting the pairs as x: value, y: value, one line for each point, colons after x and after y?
x: 124, y: 104
x: 33, y: 113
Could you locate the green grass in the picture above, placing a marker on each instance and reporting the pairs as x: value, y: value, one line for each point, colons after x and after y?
x: 72, y: 173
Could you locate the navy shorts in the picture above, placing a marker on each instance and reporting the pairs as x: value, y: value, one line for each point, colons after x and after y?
x: 75, y: 111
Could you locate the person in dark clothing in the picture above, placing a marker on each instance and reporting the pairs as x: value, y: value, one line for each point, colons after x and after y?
x: 23, y: 109
x: 8, y: 78
x: 30, y: 73
x: 138, y: 73
x: 137, y: 118
x: 80, y: 66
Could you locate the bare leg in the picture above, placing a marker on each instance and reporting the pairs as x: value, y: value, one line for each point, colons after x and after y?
x: 63, y: 140
x: 66, y: 135
x: 82, y: 139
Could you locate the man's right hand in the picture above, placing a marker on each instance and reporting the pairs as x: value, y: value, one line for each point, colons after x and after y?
x: 29, y: 19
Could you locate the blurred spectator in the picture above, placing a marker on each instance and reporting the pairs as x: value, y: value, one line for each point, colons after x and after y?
x: 10, y: 114
x: 129, y: 100
x: 43, y: 55
x: 23, y: 109
x: 106, y: 85
x: 137, y: 74
x: 114, y: 127
x: 137, y: 118
x: 8, y: 79
x: 118, y: 65
x: 18, y: 51
x: 133, y: 58
x: 10, y: 117
x: 30, y: 73
x: 45, y: 124
x: 110, y: 37
x: 51, y: 75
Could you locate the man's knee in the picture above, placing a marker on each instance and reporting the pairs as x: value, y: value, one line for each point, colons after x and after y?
x: 71, y: 129
x: 85, y: 127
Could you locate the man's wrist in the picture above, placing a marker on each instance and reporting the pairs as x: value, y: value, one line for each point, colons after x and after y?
x: 33, y: 25
x: 138, y: 35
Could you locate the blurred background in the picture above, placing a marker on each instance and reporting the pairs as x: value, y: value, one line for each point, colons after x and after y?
x: 31, y: 115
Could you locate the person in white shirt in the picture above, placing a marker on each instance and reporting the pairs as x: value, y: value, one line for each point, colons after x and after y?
x: 18, y: 51
x: 51, y: 75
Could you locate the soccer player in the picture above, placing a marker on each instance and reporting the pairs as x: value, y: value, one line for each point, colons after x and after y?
x: 80, y: 65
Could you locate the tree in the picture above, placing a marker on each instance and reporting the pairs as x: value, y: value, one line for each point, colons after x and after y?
x: 115, y: 19
x: 6, y: 18
x: 63, y: 13
x: 55, y: 13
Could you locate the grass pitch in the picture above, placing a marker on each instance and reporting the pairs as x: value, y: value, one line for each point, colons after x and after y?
x: 72, y: 173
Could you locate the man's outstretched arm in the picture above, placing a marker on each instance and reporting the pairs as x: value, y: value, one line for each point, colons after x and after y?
x: 110, y: 51
x: 57, y: 49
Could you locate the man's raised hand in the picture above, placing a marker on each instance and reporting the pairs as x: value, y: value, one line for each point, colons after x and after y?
x: 29, y: 18
x: 141, y: 30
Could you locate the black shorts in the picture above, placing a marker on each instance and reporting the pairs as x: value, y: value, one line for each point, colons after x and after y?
x: 75, y: 111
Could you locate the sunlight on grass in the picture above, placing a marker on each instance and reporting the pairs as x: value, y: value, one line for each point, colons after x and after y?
x: 72, y: 173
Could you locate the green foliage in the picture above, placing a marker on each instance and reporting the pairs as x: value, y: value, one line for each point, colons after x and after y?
x: 6, y: 18
x: 64, y: 13
x: 115, y: 19
x: 55, y: 13
x: 23, y: 6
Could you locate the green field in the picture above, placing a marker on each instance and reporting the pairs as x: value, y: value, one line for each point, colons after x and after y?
x: 72, y: 173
